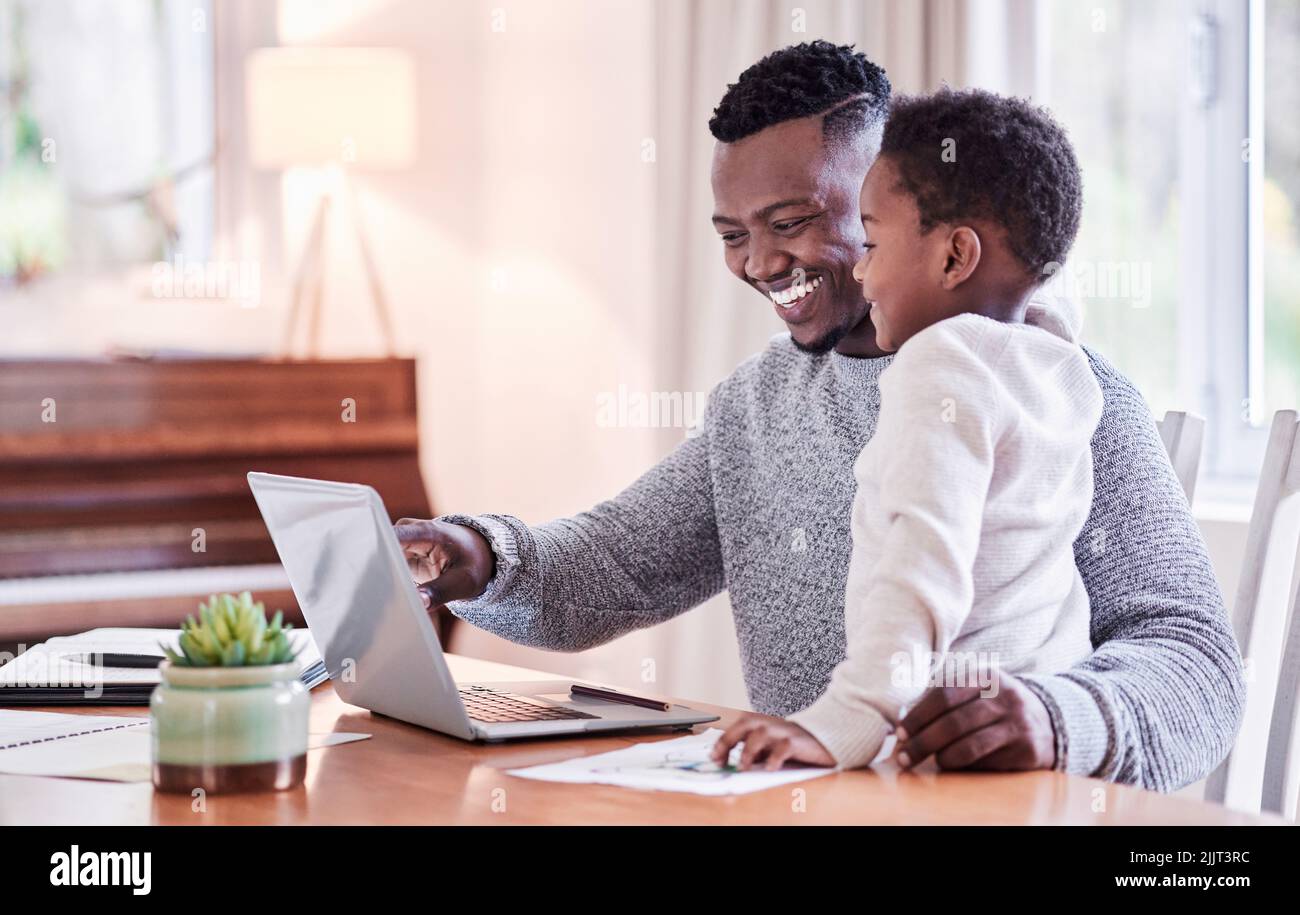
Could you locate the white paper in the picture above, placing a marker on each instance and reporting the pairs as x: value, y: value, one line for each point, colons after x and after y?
x: 682, y: 764
x: 18, y: 727
x: 316, y: 741
x: 119, y: 750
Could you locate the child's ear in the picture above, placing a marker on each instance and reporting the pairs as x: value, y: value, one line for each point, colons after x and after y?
x: 961, y: 256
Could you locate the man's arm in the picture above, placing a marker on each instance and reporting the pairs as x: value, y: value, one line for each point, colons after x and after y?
x: 638, y: 559
x: 1159, y: 701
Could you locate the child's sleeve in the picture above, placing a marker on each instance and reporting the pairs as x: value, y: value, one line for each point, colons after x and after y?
x: 931, y: 463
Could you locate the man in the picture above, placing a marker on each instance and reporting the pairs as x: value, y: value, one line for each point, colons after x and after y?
x: 759, y: 502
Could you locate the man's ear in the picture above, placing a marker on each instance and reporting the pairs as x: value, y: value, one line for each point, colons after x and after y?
x: 961, y: 256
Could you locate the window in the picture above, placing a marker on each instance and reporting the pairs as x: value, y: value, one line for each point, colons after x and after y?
x: 1280, y: 205
x: 107, y: 162
x: 1188, y: 259
x: 1111, y: 82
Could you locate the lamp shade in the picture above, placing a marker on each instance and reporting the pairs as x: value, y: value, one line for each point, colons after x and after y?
x: 319, y: 106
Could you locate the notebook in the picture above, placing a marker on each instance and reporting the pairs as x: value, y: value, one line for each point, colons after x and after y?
x: 50, y: 674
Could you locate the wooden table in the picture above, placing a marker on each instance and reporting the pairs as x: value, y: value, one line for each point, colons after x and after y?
x: 407, y: 775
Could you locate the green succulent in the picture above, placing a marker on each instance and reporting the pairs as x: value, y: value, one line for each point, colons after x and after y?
x: 232, y: 632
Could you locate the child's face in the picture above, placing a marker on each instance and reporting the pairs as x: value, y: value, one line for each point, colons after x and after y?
x: 901, y: 269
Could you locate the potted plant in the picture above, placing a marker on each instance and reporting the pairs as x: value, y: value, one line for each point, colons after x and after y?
x: 230, y: 714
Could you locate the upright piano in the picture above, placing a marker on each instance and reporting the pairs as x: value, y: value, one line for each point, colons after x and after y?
x: 123, y: 498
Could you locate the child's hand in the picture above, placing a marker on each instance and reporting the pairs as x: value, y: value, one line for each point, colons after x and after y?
x: 771, y: 742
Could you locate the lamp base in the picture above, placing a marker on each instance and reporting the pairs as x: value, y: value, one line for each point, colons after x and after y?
x: 310, y: 270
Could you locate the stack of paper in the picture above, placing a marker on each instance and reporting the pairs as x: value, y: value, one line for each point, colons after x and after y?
x: 55, y: 673
x: 92, y: 746
x: 77, y: 746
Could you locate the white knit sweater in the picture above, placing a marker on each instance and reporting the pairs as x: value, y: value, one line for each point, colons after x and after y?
x: 969, y: 499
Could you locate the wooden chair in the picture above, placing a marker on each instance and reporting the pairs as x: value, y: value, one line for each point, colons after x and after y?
x: 1183, y: 434
x: 1263, y: 593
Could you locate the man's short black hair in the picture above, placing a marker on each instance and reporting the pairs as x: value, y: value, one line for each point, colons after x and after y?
x: 973, y: 154
x: 801, y: 80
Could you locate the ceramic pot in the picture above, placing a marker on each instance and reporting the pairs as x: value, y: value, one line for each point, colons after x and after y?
x: 229, y: 729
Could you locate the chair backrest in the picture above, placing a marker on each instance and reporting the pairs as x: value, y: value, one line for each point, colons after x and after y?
x: 1281, y: 792
x: 1264, y: 590
x: 1183, y: 434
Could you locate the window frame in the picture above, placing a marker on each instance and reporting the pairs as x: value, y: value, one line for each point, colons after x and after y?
x: 1221, y: 348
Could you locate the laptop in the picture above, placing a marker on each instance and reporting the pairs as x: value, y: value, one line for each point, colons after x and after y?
x: 379, y: 644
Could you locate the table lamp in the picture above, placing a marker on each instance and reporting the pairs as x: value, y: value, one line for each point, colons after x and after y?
x: 350, y: 109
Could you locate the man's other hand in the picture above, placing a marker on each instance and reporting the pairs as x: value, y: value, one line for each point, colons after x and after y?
x: 1007, y: 731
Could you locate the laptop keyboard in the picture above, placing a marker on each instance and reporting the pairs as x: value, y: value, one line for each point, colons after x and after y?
x: 484, y: 704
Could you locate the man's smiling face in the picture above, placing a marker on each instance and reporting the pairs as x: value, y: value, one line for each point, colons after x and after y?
x: 786, y: 208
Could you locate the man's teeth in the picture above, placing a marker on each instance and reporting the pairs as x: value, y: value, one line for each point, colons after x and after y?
x: 786, y: 298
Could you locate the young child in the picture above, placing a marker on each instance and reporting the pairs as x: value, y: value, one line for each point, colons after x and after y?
x: 979, y: 476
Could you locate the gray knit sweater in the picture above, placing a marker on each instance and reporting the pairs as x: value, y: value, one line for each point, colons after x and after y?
x: 759, y: 503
